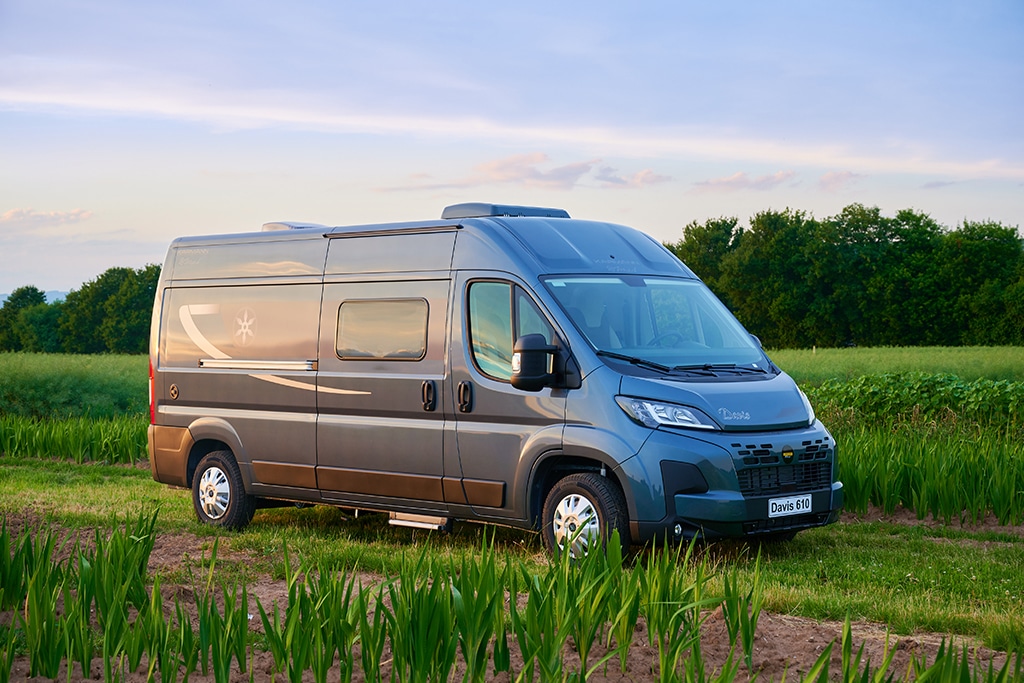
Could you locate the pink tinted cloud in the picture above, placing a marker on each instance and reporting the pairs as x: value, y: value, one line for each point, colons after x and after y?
x: 525, y: 169
x: 32, y: 219
x: 741, y: 181
x: 837, y: 180
x: 610, y: 178
x: 532, y: 170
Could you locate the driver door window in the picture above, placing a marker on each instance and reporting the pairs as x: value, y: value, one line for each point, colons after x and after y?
x: 500, y: 313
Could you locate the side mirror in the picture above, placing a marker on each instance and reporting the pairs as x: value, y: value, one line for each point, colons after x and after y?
x: 756, y: 341
x: 531, y: 363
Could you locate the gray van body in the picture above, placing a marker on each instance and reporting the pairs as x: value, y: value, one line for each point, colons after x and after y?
x: 345, y: 366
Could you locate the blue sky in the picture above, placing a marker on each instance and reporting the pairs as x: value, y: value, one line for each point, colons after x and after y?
x: 126, y: 124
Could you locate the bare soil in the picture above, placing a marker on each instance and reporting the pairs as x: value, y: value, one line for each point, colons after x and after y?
x: 786, y: 645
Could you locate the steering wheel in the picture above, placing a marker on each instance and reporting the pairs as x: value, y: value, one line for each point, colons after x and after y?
x: 671, y: 334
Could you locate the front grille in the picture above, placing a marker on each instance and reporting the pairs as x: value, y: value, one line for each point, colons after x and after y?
x: 799, y: 477
x: 768, y: 469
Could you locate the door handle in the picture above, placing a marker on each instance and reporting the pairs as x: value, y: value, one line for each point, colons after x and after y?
x: 465, y: 397
x: 428, y: 392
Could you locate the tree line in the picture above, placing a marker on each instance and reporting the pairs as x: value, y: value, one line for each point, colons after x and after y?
x: 861, y: 278
x: 856, y: 278
x: 110, y: 314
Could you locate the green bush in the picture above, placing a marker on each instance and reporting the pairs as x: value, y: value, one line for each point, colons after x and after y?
x: 918, y: 396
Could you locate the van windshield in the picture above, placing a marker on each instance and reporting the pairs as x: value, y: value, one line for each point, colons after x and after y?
x: 661, y: 323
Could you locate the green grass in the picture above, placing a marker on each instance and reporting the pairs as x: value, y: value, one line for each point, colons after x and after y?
x: 813, y: 366
x: 56, y: 386
x: 908, y: 577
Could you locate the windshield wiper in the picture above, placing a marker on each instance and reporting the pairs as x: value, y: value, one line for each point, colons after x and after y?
x: 641, y: 362
x: 713, y: 368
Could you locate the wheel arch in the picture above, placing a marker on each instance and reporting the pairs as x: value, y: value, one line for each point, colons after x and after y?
x: 199, y: 451
x: 552, y: 468
x: 213, y: 434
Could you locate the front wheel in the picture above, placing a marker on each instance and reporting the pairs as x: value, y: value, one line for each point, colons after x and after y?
x: 581, y: 511
x: 218, y: 494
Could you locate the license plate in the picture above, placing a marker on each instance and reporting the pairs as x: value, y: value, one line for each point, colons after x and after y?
x: 794, y: 505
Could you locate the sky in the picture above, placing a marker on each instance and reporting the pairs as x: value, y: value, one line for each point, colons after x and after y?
x: 125, y: 124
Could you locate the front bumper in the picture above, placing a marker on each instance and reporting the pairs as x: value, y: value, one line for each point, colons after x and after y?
x: 738, y: 475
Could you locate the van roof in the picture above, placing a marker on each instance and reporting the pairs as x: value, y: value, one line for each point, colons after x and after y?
x: 493, y: 236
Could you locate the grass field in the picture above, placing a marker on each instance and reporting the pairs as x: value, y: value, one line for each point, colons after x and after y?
x: 944, y: 579
x: 57, y: 386
x: 813, y: 366
x: 953, y: 462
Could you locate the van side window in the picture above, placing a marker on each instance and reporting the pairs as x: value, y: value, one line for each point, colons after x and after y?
x: 490, y: 328
x: 495, y: 310
x: 389, y: 329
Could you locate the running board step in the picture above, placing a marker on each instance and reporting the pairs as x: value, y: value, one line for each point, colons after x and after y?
x: 418, y: 521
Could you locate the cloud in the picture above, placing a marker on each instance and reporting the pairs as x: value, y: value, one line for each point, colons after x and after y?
x: 529, y: 170
x: 66, y: 86
x: 837, y: 180
x: 33, y: 220
x: 609, y: 177
x: 741, y: 181
x: 521, y: 169
x: 938, y: 184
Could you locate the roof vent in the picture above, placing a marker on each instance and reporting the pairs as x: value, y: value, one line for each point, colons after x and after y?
x: 286, y: 225
x: 481, y: 210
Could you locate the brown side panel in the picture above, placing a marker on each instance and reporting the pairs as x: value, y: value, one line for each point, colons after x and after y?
x: 299, y: 476
x: 168, y: 454
x: 453, y: 492
x: 375, y: 483
x: 489, y: 494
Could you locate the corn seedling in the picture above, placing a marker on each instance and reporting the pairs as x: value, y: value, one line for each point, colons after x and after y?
x: 336, y: 615
x: 224, y: 636
x: 161, y: 644
x: 187, y: 645
x: 542, y: 628
x: 13, y: 567
x: 749, y: 614
x: 421, y: 625
x: 372, y: 632
x: 672, y: 606
x: 586, y: 586
x: 115, y: 630
x: 478, y: 594
x: 44, y: 635
x: 624, y: 603
x: 7, y: 652
x: 287, y: 640
x: 79, y: 641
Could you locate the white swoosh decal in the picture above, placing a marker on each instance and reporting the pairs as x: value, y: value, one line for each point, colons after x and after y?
x: 294, y: 384
x: 185, y: 314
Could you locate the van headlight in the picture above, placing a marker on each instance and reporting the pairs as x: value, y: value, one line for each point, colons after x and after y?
x: 654, y: 414
x: 808, y: 406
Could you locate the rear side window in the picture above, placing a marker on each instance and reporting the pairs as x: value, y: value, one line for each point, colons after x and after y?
x: 392, y: 329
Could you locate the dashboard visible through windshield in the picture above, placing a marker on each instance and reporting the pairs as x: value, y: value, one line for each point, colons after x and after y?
x: 663, y: 324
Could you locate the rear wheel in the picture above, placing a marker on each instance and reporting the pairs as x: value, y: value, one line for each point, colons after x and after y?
x: 581, y: 511
x: 218, y: 494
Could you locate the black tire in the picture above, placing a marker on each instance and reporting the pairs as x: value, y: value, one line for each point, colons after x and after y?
x: 218, y: 493
x: 566, y: 511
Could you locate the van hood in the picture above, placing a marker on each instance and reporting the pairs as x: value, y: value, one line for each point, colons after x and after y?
x: 765, y: 405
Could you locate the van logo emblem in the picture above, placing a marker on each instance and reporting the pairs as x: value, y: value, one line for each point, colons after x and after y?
x: 727, y: 414
x: 245, y: 319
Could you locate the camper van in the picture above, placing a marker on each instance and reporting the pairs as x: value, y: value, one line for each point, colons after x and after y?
x: 504, y: 364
